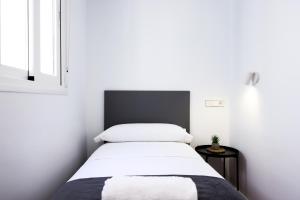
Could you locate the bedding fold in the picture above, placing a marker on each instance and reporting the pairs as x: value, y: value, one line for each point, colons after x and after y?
x: 149, y: 188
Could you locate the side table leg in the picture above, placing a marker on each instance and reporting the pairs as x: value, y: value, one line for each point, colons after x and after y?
x: 237, y: 173
x: 224, y: 169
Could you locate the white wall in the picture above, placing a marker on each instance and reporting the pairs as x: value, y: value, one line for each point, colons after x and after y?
x: 266, y: 118
x: 161, y: 45
x: 43, y: 136
x: 167, y: 45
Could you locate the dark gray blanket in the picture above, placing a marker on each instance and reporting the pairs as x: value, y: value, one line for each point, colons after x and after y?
x: 209, y: 188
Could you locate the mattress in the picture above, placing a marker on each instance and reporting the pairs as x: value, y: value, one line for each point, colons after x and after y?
x: 144, y: 158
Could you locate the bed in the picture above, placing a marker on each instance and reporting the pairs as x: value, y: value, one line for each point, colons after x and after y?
x: 160, y: 159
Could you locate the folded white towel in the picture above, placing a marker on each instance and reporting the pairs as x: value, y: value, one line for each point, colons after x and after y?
x: 149, y: 188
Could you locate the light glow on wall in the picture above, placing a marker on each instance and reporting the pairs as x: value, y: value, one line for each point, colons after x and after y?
x: 251, y: 104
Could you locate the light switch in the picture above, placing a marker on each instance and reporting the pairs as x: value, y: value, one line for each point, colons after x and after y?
x: 214, y: 103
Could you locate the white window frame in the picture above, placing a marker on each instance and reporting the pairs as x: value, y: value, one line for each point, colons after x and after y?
x: 16, y: 80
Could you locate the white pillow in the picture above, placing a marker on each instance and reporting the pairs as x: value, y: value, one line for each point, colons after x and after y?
x: 145, y: 132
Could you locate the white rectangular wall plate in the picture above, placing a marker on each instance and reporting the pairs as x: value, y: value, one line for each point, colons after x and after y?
x: 214, y: 103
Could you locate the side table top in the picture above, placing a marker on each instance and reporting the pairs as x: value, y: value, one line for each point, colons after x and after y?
x: 229, y: 151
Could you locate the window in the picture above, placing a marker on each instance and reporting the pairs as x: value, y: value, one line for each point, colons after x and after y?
x: 32, y: 54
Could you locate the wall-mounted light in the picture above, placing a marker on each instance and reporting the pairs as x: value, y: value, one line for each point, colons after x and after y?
x: 253, y: 78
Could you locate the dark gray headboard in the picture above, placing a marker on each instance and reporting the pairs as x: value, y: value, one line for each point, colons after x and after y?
x: 121, y: 107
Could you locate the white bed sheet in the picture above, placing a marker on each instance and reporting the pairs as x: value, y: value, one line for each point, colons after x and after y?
x: 144, y: 158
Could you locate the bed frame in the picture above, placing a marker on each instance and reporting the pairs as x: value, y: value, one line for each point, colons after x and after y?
x: 121, y: 107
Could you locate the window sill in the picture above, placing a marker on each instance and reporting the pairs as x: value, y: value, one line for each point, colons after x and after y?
x: 61, y: 90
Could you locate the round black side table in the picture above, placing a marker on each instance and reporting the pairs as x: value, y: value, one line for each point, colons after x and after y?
x: 229, y: 153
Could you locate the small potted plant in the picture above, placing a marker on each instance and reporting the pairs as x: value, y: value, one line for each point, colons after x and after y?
x: 215, y: 142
